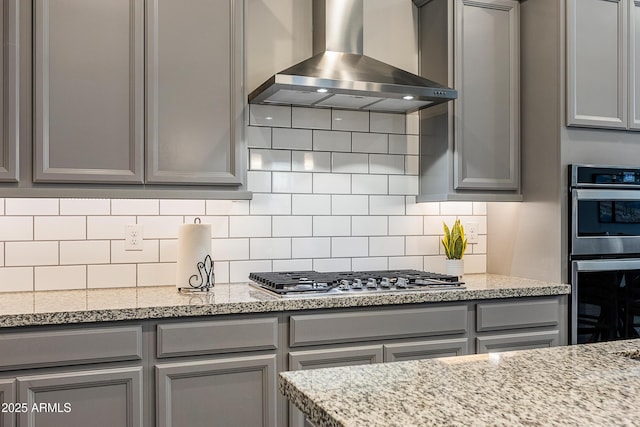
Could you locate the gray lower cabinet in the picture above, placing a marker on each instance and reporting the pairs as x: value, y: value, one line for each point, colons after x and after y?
x: 9, y: 90
x: 470, y: 148
x: 7, y: 398
x: 517, y: 341
x: 99, y: 398
x: 228, y: 392
x: 398, y: 352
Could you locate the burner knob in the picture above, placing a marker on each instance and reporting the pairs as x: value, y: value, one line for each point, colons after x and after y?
x: 402, y: 282
x: 357, y: 284
x: 372, y: 283
x: 385, y: 282
x: 344, y: 284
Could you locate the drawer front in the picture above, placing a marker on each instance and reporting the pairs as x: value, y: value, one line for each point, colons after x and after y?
x: 19, y: 350
x: 494, y: 316
x: 218, y: 336
x: 426, y: 349
x: 368, y: 325
x: 520, y: 341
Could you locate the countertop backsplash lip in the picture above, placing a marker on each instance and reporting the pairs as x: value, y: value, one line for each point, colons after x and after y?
x: 142, y: 303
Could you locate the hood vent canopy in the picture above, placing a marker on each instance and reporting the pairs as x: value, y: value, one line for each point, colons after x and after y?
x: 339, y: 75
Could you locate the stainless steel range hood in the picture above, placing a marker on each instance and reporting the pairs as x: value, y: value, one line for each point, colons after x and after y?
x: 339, y: 75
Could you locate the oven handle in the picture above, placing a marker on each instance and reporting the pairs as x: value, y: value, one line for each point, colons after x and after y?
x: 600, y: 194
x: 606, y: 265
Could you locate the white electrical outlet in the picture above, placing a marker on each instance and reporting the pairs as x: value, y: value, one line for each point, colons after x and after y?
x: 133, y: 239
x: 471, y: 230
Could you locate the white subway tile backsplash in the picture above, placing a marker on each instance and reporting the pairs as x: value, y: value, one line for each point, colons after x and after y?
x: 370, y: 142
x: 169, y: 250
x: 2, y: 201
x: 403, y: 184
x: 433, y: 225
x: 349, y: 205
x: 182, y: 207
x: 310, y: 161
x: 250, y: 226
x: 239, y: 270
x: 311, y: 247
x: 135, y: 207
x: 435, y: 263
x: 270, y: 248
x: 85, y: 252
x: 350, y: 120
x: 386, y: 246
x: 404, y: 144
x: 227, y: 207
x: 292, y: 264
x: 291, y: 139
x: 259, y: 181
x: 310, y: 118
x: 342, y: 247
x: 150, y: 252
x: 331, y: 183
x: 405, y: 225
x: 411, y: 165
x: 386, y: 164
x: 221, y: 271
x: 258, y: 137
x: 369, y: 184
x: 386, y: 205
x: 475, y: 264
x: 479, y: 208
x: 272, y: 160
x: 58, y: 277
x: 157, y: 274
x: 292, y: 226
x: 310, y: 204
x: 18, y: 254
x: 331, y: 226
x: 369, y: 264
x: 292, y: 182
x: 456, y: 208
x: 85, y: 207
x: 325, y: 140
x: 332, y: 264
x: 16, y: 279
x: 16, y: 228
x: 269, y: 115
x: 349, y: 163
x: 219, y: 224
x: 108, y: 227
x: 230, y: 249
x: 388, y: 123
x: 160, y: 227
x: 270, y: 204
x: 32, y: 206
x: 422, y: 245
x: 1, y: 255
x: 422, y: 208
x: 369, y: 225
x: 60, y: 227
x: 413, y: 123
x: 111, y: 276
x: 407, y: 262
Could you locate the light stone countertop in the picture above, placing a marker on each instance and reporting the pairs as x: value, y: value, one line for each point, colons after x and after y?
x: 98, y: 305
x: 584, y: 385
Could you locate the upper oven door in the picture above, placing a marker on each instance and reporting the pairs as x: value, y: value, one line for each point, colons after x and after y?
x: 605, y: 222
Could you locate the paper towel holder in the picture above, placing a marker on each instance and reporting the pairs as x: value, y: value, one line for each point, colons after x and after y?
x: 204, y: 280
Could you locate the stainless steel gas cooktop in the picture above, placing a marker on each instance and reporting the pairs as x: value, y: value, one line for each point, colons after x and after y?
x: 313, y: 283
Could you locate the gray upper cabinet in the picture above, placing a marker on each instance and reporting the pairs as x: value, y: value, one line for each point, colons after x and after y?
x: 597, y: 63
x: 194, y: 101
x: 634, y: 64
x: 89, y: 91
x: 9, y: 90
x: 470, y: 148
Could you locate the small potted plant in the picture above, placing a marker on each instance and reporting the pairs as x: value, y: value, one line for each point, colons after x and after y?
x: 454, y: 243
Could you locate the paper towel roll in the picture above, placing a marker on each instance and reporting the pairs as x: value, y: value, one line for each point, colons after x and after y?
x: 194, y: 244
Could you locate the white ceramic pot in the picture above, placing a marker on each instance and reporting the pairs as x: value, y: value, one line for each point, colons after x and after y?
x: 455, y: 267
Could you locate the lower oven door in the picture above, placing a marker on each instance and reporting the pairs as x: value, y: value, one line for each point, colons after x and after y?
x: 605, y: 300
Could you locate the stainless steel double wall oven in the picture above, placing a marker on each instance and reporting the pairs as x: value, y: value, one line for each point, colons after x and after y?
x: 604, y: 252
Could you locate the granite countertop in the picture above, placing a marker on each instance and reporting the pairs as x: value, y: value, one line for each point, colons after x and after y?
x: 96, y: 305
x: 584, y: 385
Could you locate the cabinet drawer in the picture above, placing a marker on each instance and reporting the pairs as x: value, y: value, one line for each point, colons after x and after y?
x: 19, y: 350
x: 425, y: 349
x: 218, y: 336
x: 494, y: 316
x: 368, y: 325
x: 521, y: 341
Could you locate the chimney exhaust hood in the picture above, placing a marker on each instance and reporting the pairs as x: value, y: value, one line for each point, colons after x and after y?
x: 339, y: 75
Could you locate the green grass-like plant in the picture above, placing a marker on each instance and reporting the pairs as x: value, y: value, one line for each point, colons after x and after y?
x: 454, y: 241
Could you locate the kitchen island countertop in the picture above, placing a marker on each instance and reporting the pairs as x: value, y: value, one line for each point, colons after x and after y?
x: 584, y: 385
x: 98, y: 305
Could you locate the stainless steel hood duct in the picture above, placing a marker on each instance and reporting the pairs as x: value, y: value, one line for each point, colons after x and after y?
x: 339, y: 75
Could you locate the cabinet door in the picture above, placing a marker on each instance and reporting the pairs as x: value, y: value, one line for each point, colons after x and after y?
x: 350, y: 356
x: 8, y: 395
x: 426, y: 349
x: 98, y: 398
x: 597, y: 63
x: 487, y: 111
x: 239, y: 391
x: 194, y: 91
x: 9, y: 87
x: 88, y: 91
x: 634, y: 64
x: 518, y: 341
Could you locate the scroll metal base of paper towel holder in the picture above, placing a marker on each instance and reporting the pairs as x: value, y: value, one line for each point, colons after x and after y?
x: 204, y: 280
